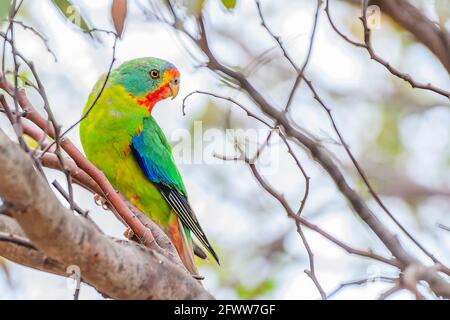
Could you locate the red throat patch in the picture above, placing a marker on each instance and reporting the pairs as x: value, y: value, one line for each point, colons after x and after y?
x: 152, y: 98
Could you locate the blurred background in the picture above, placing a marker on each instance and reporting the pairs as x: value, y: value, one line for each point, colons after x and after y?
x: 400, y: 136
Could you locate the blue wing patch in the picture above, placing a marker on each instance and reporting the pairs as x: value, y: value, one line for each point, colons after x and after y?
x: 152, y: 152
x: 151, y: 170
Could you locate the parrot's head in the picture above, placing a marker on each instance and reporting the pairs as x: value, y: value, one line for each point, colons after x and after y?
x: 148, y: 80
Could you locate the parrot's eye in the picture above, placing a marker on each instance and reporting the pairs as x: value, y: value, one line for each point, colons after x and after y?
x: 154, y: 74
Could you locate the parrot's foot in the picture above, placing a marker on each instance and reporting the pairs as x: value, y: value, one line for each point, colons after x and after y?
x: 129, y: 234
x: 100, y: 201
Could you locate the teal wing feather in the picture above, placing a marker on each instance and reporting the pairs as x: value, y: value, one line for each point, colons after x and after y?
x: 154, y: 155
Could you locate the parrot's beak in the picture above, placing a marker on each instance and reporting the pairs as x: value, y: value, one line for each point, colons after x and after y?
x: 174, y: 86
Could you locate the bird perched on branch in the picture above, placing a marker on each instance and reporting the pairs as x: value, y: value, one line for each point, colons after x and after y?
x: 120, y: 136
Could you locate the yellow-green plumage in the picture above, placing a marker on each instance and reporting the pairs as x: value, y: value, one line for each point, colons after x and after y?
x: 122, y: 139
x: 106, y: 145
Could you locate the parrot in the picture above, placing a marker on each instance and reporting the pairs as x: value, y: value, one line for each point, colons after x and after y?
x: 120, y: 137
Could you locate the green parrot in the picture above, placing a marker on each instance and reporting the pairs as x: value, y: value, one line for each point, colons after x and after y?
x: 121, y: 138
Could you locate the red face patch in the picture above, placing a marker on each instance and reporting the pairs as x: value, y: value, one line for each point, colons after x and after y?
x: 161, y: 93
x: 173, y: 73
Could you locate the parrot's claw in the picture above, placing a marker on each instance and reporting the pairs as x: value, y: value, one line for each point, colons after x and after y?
x: 197, y: 277
x: 100, y: 201
x: 128, y: 233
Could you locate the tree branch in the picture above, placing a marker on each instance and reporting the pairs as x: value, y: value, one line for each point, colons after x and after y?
x: 374, y: 56
x: 120, y: 269
x: 24, y: 252
x: 426, y: 31
x: 318, y: 154
x: 30, y: 113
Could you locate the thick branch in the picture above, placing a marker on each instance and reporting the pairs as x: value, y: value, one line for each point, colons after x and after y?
x: 23, y: 254
x: 120, y: 269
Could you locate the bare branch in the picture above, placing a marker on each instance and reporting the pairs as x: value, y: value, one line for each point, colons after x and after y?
x: 391, y: 291
x: 39, y: 35
x: 436, y: 39
x: 341, y: 138
x: 404, y: 76
x: 24, y: 252
x: 360, y: 282
x: 374, y: 56
x: 302, y: 221
x: 102, y: 88
x: 249, y: 113
x: 320, y: 155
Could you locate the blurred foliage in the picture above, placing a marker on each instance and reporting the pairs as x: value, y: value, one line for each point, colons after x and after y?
x: 443, y: 11
x: 448, y: 155
x: 193, y: 7
x: 72, y: 14
x: 24, y: 78
x: 216, y: 116
x: 4, y: 8
x: 229, y: 4
x: 388, y: 139
x: 246, y: 292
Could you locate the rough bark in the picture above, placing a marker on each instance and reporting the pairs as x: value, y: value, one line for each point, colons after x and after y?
x: 119, y: 269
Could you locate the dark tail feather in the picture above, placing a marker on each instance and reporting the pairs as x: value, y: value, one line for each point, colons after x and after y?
x: 198, y: 251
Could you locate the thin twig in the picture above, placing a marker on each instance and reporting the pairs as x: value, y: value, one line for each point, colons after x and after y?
x: 51, y: 121
x: 94, y: 102
x: 360, y: 282
x: 374, y: 56
x: 301, y: 221
x: 311, y: 272
x: 364, y: 177
x: 108, y: 191
x: 17, y: 122
x: 404, y: 76
x: 61, y: 190
x: 305, y: 175
x: 301, y: 73
x: 249, y: 113
x: 39, y: 35
x: 397, y: 287
x: 347, y: 149
x: 443, y: 227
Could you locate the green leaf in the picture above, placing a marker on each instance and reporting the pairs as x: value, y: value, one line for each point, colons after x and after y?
x: 194, y: 7
x: 72, y: 14
x: 4, y: 9
x: 263, y: 288
x: 229, y: 4
x: 24, y: 78
x: 388, y: 140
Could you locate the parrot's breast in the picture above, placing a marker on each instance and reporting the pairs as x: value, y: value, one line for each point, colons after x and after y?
x: 106, y: 135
